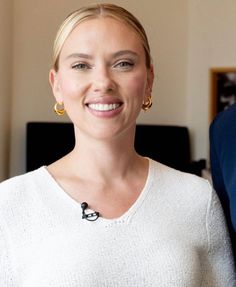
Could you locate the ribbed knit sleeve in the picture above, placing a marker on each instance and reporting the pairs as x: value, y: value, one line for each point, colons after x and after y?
x: 6, y: 273
x: 219, y: 271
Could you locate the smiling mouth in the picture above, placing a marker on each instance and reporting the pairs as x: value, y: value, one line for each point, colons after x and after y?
x: 104, y: 107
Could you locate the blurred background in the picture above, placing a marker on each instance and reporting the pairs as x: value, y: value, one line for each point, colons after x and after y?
x: 187, y: 38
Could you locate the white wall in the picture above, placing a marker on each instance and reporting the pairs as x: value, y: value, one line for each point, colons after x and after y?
x: 5, y: 83
x: 212, y: 43
x: 35, y: 25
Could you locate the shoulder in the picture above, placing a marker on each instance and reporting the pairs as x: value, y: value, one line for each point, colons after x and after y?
x: 186, y: 197
x: 223, y: 131
x: 18, y: 181
x: 179, y: 178
x: 181, y: 186
x: 19, y: 187
x: 224, y: 118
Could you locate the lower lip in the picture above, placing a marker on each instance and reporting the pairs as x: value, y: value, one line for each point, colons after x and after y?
x: 105, y: 114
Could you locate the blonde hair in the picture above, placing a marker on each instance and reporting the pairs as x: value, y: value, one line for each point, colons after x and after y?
x: 95, y: 11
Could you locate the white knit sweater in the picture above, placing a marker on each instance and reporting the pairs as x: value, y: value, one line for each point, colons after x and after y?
x: 173, y: 235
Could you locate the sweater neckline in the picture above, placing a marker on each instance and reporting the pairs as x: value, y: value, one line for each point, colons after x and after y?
x: 59, y: 191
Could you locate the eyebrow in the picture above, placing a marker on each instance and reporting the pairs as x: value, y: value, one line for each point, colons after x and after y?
x: 79, y: 55
x: 89, y: 57
x: 124, y: 52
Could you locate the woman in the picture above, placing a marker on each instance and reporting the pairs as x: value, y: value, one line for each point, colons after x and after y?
x: 103, y: 215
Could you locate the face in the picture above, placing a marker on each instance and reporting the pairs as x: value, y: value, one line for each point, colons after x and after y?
x: 102, y: 77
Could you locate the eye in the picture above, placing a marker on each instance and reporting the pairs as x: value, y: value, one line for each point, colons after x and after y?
x: 80, y: 66
x: 124, y: 65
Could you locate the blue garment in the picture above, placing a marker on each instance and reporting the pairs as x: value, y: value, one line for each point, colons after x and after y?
x: 223, y: 165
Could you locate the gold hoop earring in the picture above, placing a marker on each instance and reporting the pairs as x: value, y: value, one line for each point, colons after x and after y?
x: 59, y: 111
x: 147, y: 105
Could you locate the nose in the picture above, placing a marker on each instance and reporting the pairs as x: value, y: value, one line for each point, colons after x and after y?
x: 103, y: 80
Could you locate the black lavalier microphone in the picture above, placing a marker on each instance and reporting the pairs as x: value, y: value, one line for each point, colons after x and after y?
x: 88, y: 216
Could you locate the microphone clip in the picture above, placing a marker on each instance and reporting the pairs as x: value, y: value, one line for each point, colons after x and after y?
x: 88, y: 216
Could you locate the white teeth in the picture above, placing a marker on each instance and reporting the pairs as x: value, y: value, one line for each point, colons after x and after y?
x: 103, y: 107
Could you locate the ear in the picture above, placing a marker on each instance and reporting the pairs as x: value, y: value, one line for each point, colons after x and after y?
x: 55, y: 85
x: 150, y: 79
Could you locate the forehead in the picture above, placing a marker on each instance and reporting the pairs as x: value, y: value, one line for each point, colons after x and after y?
x: 104, y: 32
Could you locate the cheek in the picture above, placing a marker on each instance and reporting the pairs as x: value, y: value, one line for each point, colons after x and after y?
x: 137, y: 86
x: 69, y: 88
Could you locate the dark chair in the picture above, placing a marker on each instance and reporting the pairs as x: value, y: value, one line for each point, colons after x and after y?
x: 48, y: 141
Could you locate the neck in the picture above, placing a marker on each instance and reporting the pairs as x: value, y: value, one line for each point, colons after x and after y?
x: 102, y: 162
x: 103, y: 157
